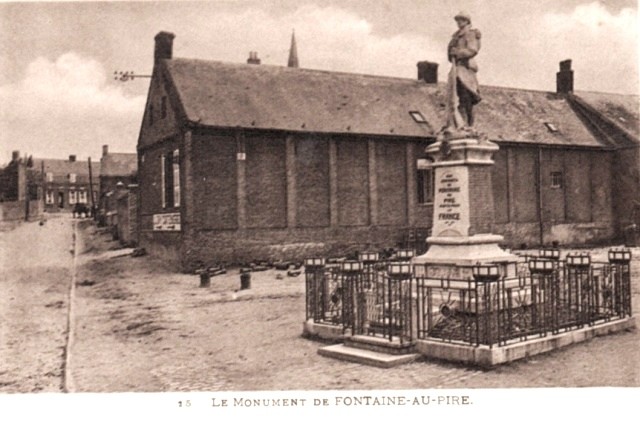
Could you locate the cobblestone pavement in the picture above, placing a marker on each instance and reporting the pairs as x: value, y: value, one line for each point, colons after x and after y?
x: 141, y: 328
x: 36, y: 272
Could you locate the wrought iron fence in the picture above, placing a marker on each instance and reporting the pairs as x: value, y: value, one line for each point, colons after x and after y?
x: 563, y: 297
x: 398, y: 302
x: 363, y: 297
x: 324, y: 293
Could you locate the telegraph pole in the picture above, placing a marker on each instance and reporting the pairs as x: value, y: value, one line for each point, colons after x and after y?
x: 93, y: 200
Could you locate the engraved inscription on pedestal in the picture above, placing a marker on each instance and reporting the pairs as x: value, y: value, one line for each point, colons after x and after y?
x: 451, y: 202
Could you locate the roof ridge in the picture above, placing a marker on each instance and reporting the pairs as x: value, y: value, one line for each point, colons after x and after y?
x: 295, y: 70
x: 608, y: 93
x: 65, y: 160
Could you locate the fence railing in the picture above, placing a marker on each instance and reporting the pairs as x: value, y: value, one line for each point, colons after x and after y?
x: 391, y: 300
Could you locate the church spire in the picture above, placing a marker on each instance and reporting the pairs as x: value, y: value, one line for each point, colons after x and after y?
x: 293, y: 52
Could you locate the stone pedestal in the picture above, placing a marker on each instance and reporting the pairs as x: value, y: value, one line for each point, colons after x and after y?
x: 463, y: 211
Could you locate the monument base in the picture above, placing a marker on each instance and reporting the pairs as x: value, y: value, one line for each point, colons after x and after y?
x: 453, y: 257
x: 487, y: 357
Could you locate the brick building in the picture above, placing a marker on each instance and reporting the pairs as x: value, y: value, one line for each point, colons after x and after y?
x: 20, y: 190
x: 243, y: 161
x: 117, y: 171
x: 67, y: 182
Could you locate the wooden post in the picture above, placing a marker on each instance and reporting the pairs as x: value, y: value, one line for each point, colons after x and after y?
x: 93, y: 200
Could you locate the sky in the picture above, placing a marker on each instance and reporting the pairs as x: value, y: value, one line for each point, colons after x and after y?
x: 58, y: 96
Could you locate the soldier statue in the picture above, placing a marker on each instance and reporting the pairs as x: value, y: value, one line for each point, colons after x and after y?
x: 463, y: 91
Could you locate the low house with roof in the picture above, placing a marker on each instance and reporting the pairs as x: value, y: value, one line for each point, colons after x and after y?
x: 118, y: 171
x: 245, y: 161
x: 68, y: 182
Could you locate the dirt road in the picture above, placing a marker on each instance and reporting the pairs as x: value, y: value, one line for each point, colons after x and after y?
x: 145, y: 328
x: 139, y: 327
x: 36, y: 263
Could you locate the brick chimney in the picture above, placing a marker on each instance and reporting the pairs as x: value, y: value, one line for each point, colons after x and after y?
x: 253, y: 58
x: 164, y: 46
x: 105, y: 150
x: 15, y: 155
x: 72, y: 158
x: 564, y: 78
x: 428, y: 72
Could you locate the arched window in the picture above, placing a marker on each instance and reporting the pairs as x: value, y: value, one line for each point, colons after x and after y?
x: 426, y: 179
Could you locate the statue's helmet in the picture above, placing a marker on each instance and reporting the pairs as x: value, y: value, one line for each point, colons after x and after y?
x: 463, y: 16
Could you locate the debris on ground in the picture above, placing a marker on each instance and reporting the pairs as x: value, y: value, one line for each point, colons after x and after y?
x: 282, y: 266
x: 139, y: 251
x: 217, y: 270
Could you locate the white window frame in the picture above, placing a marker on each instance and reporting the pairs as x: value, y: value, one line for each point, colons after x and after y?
x: 175, y: 166
x: 72, y: 178
x: 557, y: 179
x: 73, y: 197
x: 82, y: 197
x: 162, y: 184
x: 49, y: 197
x: 49, y: 177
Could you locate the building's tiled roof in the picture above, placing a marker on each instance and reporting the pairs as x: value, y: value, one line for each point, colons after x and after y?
x: 620, y: 109
x: 119, y: 164
x: 273, y: 97
x: 64, y: 167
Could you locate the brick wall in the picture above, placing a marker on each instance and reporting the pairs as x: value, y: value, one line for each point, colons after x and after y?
x: 391, y: 182
x: 500, y: 182
x: 215, y: 200
x: 150, y: 176
x: 523, y: 178
x: 578, y: 212
x: 352, y: 182
x: 626, y: 190
x: 266, y: 182
x: 601, y: 185
x: 13, y: 181
x: 123, y: 220
x: 133, y: 215
x: 296, y: 205
x: 158, y: 128
x: 481, y: 200
x: 12, y: 211
x: 238, y: 246
x: 553, y: 198
x: 578, y: 186
x: 312, y: 182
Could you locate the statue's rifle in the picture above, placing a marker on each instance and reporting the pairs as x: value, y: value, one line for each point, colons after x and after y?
x: 454, y: 118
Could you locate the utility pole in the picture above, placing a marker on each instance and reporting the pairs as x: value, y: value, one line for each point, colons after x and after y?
x: 93, y: 200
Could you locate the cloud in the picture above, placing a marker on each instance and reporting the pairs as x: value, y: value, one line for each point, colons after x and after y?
x: 597, y: 18
x: 66, y: 107
x: 68, y: 104
x: 329, y: 38
x: 602, y: 44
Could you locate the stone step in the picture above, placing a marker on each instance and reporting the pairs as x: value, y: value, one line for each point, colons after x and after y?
x: 365, y: 356
x: 379, y: 344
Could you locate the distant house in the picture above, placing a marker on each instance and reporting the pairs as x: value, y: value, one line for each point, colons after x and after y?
x: 245, y: 161
x: 20, y: 190
x: 117, y: 168
x: 66, y: 182
x: 117, y: 171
